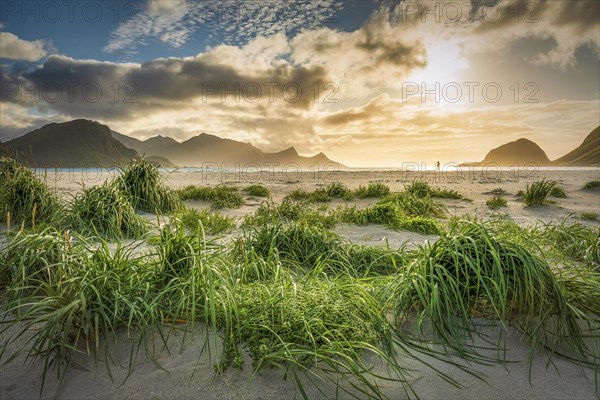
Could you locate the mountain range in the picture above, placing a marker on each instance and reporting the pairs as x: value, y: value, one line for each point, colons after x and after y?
x: 78, y: 143
x: 588, y: 152
x: 524, y: 151
x: 83, y: 143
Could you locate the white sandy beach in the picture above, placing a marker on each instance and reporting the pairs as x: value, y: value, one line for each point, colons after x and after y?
x: 188, y: 374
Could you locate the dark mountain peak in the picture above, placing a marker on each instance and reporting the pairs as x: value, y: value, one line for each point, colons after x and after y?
x: 290, y: 151
x: 80, y: 142
x: 521, y: 151
x: 592, y: 137
x: 161, y: 139
x: 587, y: 154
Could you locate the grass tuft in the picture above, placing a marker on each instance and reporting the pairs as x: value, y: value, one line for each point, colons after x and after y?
x: 144, y: 185
x: 414, y: 205
x: 496, y: 202
x: 372, y: 191
x: 471, y: 272
x: 538, y: 192
x: 289, y: 211
x: 212, y: 222
x: 27, y: 198
x: 218, y: 196
x: 257, y: 190
x: 107, y: 211
x: 592, y: 185
x: 591, y: 216
x: 423, y: 189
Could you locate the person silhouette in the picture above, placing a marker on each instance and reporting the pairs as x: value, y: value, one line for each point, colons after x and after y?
x: 437, y: 166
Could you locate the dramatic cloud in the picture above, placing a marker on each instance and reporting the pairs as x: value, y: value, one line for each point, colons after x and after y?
x: 16, y: 120
x: 379, y: 55
x: 319, y: 88
x: 571, y: 24
x: 172, y: 22
x: 400, y: 131
x: 13, y: 48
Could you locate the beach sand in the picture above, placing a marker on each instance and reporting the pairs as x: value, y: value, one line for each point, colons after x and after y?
x: 188, y: 374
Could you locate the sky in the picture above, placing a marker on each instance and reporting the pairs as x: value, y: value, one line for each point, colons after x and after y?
x: 369, y: 83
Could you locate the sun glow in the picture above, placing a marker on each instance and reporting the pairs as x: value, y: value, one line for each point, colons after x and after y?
x: 438, y: 81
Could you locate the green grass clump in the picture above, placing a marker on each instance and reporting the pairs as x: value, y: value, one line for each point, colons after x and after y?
x: 387, y: 214
x: 558, y: 192
x: 178, y: 254
x: 415, y: 205
x: 496, y: 202
x: 72, y: 297
x: 591, y: 216
x: 320, y: 195
x: 213, y: 222
x: 420, y: 224
x: 538, y: 192
x: 300, y: 245
x: 423, y: 189
x: 592, y: 185
x: 27, y: 198
x: 298, y: 194
x: 289, y: 211
x: 418, y: 188
x: 218, y: 196
x: 283, y: 320
x: 30, y: 256
x: 144, y: 185
x: 311, y: 248
x: 257, y: 190
x: 574, y: 240
x: 372, y: 191
x: 470, y: 271
x: 338, y: 190
x: 107, y: 211
x: 390, y: 215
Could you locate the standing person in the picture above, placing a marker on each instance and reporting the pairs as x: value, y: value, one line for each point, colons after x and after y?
x: 437, y: 166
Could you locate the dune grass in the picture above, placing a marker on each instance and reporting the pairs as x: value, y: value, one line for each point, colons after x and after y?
x: 576, y: 241
x: 219, y: 196
x: 297, y: 297
x: 257, y: 190
x: 290, y: 211
x: 24, y: 198
x: 470, y: 272
x: 145, y: 186
x: 337, y: 190
x: 538, y: 192
x: 399, y: 211
x: 107, y: 211
x: 213, y: 222
x: 310, y: 248
x: 294, y: 294
x: 423, y: 189
x: 589, y: 215
x: 496, y: 202
x: 390, y: 215
x: 372, y: 191
x: 74, y: 296
x: 414, y: 205
x: 592, y: 185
